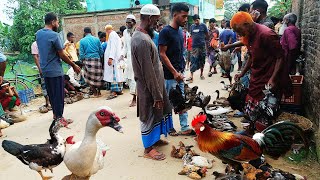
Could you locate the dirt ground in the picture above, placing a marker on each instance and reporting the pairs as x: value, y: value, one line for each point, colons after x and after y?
x: 123, y: 160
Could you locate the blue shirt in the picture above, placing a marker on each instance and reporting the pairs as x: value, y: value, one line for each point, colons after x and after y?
x: 173, y: 39
x: 104, y: 46
x: 3, y: 58
x: 49, y: 43
x: 198, y: 35
x: 90, y: 47
x: 226, y: 35
x: 156, y: 38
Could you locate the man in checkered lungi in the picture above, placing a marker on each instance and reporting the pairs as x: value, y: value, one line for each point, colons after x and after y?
x: 91, y: 53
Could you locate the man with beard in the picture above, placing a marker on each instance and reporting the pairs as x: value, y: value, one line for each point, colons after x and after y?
x: 258, y: 11
x: 126, y: 51
x: 266, y: 62
x: 291, y: 42
x: 154, y: 109
x: 50, y: 51
x: 171, y: 45
x: 70, y: 47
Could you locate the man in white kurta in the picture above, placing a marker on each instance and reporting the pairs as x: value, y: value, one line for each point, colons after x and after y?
x: 113, y: 67
x: 128, y: 73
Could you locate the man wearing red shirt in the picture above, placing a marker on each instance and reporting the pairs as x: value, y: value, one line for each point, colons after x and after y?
x: 267, y: 57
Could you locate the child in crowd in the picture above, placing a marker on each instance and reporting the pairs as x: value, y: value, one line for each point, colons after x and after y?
x: 76, y: 79
x: 9, y: 97
x: 189, y: 49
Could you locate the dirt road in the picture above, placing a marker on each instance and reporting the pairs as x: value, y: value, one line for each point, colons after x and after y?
x: 123, y: 160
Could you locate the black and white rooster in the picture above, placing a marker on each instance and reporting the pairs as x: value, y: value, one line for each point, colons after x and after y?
x: 40, y: 156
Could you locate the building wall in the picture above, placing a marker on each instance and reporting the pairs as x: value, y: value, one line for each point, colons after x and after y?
x: 309, y: 23
x: 97, y: 21
x: 100, y: 5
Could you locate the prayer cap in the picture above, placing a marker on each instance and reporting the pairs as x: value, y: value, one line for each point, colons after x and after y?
x: 150, y: 9
x: 131, y: 16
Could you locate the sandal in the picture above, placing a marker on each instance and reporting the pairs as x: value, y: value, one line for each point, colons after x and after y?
x: 189, y: 132
x: 210, y: 74
x: 111, y: 96
x: 202, y: 77
x: 173, y: 132
x: 154, y: 155
x: 189, y: 79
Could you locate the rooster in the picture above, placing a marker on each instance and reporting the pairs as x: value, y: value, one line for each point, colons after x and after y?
x: 234, y: 148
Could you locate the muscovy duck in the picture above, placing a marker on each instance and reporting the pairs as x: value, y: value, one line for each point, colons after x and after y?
x: 40, y: 156
x: 85, y: 158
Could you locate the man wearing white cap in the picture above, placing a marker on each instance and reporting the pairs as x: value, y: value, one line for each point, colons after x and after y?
x: 126, y: 52
x: 154, y: 109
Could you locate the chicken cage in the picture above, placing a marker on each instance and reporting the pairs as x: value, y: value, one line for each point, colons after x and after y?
x: 296, y: 98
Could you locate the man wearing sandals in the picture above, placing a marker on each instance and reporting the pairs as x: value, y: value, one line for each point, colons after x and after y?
x: 50, y: 51
x: 199, y: 34
x: 171, y: 45
x: 154, y: 109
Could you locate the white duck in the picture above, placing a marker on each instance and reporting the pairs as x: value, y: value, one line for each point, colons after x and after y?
x: 218, y: 110
x: 85, y: 158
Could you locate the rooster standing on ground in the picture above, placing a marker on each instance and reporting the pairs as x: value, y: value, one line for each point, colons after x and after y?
x: 233, y: 148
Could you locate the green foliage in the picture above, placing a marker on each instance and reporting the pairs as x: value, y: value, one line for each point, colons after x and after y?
x: 28, y: 18
x: 280, y: 8
x: 4, y: 34
x: 231, y: 7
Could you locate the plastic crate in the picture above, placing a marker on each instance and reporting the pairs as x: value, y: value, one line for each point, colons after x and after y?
x: 296, y: 98
x: 26, y: 95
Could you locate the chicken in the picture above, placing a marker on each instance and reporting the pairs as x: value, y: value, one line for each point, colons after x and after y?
x: 40, y: 156
x: 85, y: 158
x: 225, y: 61
x: 237, y: 96
x: 179, y: 102
x: 191, y: 98
x: 234, y: 148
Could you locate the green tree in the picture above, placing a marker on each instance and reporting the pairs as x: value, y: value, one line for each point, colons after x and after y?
x: 231, y: 7
x: 4, y: 34
x: 28, y: 18
x: 280, y: 8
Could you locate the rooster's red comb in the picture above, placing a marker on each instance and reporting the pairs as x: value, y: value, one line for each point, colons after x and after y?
x: 198, y: 119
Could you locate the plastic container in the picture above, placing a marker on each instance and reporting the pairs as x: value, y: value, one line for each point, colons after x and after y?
x: 26, y: 95
x: 296, y: 98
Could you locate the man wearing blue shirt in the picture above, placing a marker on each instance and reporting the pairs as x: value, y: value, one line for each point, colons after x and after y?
x: 50, y: 51
x: 171, y: 45
x: 199, y: 34
x: 91, y: 55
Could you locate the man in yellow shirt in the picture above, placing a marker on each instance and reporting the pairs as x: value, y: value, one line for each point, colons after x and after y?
x: 70, y: 47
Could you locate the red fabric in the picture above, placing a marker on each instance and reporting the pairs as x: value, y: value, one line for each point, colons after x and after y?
x: 184, y: 39
x: 6, y: 101
x: 189, y: 42
x: 265, y: 48
x: 291, y: 44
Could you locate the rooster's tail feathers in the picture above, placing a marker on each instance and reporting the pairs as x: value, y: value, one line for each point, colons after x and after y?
x: 278, y: 138
x: 12, y: 147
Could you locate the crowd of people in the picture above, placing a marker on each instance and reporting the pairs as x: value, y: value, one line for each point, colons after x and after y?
x: 152, y: 58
